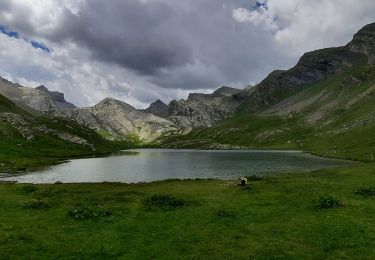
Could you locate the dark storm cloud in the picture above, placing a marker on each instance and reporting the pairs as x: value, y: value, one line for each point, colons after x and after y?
x: 168, y: 46
x: 175, y: 44
x: 132, y: 34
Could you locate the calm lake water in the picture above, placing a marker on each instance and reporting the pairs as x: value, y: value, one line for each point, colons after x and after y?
x: 159, y: 164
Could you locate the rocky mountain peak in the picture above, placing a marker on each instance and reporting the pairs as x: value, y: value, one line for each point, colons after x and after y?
x: 111, y: 103
x: 225, y: 91
x: 364, y: 42
x: 158, y: 108
x: 42, y: 88
x: 57, y: 97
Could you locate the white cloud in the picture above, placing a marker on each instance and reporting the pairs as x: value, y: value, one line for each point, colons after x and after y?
x: 259, y: 17
x: 85, y: 82
x: 232, y: 42
x: 304, y: 25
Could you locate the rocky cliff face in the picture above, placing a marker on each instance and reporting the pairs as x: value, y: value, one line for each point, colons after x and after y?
x: 111, y: 118
x: 32, y: 100
x: 158, y: 108
x: 312, y: 67
x: 203, y: 110
x: 364, y: 42
x: 57, y: 97
x: 117, y: 120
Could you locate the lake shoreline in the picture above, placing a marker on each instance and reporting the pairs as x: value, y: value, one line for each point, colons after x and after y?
x: 278, y: 214
x: 222, y: 164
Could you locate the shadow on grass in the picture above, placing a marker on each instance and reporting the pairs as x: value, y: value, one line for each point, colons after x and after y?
x: 164, y: 202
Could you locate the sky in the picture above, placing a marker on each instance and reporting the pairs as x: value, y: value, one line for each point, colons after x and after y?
x: 139, y: 51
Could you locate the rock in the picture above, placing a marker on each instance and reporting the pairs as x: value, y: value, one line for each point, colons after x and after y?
x: 203, y: 110
x: 57, y: 97
x: 242, y: 181
x: 158, y: 108
x: 312, y: 67
x: 32, y: 100
x: 115, y: 119
x: 364, y: 42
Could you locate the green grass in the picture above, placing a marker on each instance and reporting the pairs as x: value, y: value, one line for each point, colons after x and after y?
x: 9, y: 107
x: 317, y: 215
x: 341, y: 132
x: 19, y: 154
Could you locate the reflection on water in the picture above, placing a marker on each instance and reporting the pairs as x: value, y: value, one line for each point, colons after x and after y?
x: 160, y: 164
x: 124, y: 152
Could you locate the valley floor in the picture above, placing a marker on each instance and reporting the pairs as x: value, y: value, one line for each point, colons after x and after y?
x: 326, y: 214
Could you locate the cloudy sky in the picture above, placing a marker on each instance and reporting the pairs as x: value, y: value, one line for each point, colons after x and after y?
x: 141, y: 50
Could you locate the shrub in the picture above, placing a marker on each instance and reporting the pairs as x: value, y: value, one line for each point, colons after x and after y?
x: 29, y: 188
x: 329, y: 203
x: 222, y: 213
x: 254, y: 178
x: 35, y: 204
x: 86, y: 211
x: 49, y: 192
x: 366, y: 192
x: 164, y: 202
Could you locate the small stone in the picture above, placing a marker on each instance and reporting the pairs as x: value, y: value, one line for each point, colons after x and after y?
x: 242, y: 181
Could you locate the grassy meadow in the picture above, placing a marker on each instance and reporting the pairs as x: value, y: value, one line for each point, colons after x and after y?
x: 325, y: 214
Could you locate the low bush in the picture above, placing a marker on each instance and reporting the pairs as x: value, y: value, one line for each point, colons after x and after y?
x: 329, y: 203
x: 254, y: 178
x: 222, y: 213
x: 29, y: 188
x: 164, y: 202
x: 366, y: 192
x: 35, y: 204
x: 86, y: 211
x: 49, y: 192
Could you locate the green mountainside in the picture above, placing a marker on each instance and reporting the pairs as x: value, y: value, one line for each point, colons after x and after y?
x: 325, y: 104
x: 28, y: 141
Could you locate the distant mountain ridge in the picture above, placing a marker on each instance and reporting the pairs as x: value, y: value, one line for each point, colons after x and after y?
x: 324, y: 104
x: 57, y: 97
x: 323, y: 86
x: 116, y: 120
x: 158, y: 108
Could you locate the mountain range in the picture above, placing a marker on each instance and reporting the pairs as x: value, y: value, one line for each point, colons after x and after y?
x: 328, y: 95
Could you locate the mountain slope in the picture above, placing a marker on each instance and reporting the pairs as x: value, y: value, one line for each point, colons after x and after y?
x: 203, y: 110
x: 8, y: 106
x: 28, y: 141
x: 117, y: 120
x: 114, y: 120
x: 158, y: 108
x: 32, y: 100
x: 325, y: 104
x: 57, y: 97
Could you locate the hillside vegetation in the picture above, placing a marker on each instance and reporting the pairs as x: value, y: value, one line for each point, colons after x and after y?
x: 28, y: 141
x: 325, y: 104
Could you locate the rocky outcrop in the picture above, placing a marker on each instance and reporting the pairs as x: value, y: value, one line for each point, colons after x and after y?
x: 203, y: 110
x: 30, y: 99
x: 57, y: 97
x: 225, y: 91
x: 115, y: 119
x: 158, y: 108
x: 364, y: 42
x: 312, y: 67
x: 29, y: 130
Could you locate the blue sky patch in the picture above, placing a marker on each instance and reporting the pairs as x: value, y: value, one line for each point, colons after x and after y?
x: 12, y: 34
x: 9, y: 33
x: 38, y: 45
x: 259, y: 4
